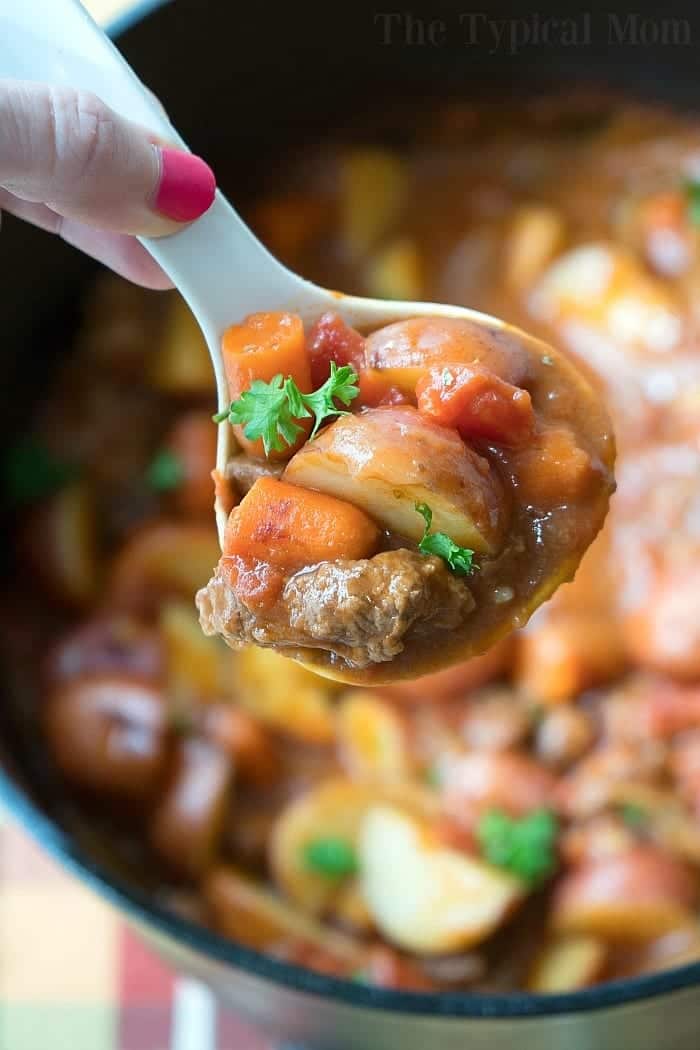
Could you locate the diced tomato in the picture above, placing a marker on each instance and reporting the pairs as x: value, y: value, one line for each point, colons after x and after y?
x: 331, y: 339
x: 665, y: 210
x: 386, y: 968
x: 455, y: 834
x: 477, y: 402
x: 671, y: 709
x: 478, y: 781
x: 257, y: 584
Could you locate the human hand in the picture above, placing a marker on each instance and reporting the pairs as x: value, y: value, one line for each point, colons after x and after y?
x: 71, y: 165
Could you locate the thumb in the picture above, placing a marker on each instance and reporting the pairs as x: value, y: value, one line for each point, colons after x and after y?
x: 67, y: 149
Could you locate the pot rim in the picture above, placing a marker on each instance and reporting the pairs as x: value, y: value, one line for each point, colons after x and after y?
x: 140, y: 907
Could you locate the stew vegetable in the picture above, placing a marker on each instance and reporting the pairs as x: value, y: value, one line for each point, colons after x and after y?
x: 415, y: 529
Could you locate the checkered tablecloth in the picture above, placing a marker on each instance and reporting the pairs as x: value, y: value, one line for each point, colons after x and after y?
x: 74, y: 977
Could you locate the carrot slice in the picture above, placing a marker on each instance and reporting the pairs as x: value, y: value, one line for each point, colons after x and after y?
x: 261, y: 347
x: 552, y: 466
x: 289, y: 527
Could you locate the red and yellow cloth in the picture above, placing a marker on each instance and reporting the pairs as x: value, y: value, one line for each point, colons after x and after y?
x: 74, y: 977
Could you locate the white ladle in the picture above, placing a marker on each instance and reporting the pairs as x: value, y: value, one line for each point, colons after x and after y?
x: 222, y: 270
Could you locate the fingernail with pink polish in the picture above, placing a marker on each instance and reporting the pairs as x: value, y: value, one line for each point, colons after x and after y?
x: 187, y: 185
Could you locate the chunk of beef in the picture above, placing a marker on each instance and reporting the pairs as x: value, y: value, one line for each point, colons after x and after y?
x: 360, y: 610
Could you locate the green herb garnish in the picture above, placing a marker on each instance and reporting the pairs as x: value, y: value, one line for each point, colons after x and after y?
x: 30, y: 472
x: 634, y: 816
x: 165, y: 471
x: 265, y: 412
x: 268, y: 410
x: 341, y: 384
x: 692, y: 196
x: 459, y: 559
x: 432, y: 775
x: 333, y: 857
x: 525, y: 847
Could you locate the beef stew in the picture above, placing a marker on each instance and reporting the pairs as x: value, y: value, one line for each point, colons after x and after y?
x: 527, y: 820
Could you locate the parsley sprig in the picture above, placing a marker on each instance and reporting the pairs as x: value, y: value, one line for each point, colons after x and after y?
x: 31, y: 472
x: 636, y: 817
x: 333, y: 857
x: 525, y: 847
x: 165, y: 471
x: 269, y: 410
x: 459, y: 559
x: 692, y: 196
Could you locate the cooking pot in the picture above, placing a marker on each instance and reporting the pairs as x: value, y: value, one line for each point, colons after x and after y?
x: 240, y: 81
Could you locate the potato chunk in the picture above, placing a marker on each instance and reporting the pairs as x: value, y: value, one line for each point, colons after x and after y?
x: 61, y: 543
x: 373, y: 185
x: 396, y: 272
x: 405, y: 351
x: 372, y: 738
x: 196, y: 666
x: 248, y: 913
x: 107, y: 733
x: 187, y: 824
x: 284, y: 695
x: 333, y: 810
x: 602, y: 288
x: 567, y: 964
x: 163, y: 558
x: 182, y: 365
x: 388, y: 459
x: 536, y: 235
x: 424, y: 897
x: 636, y: 895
